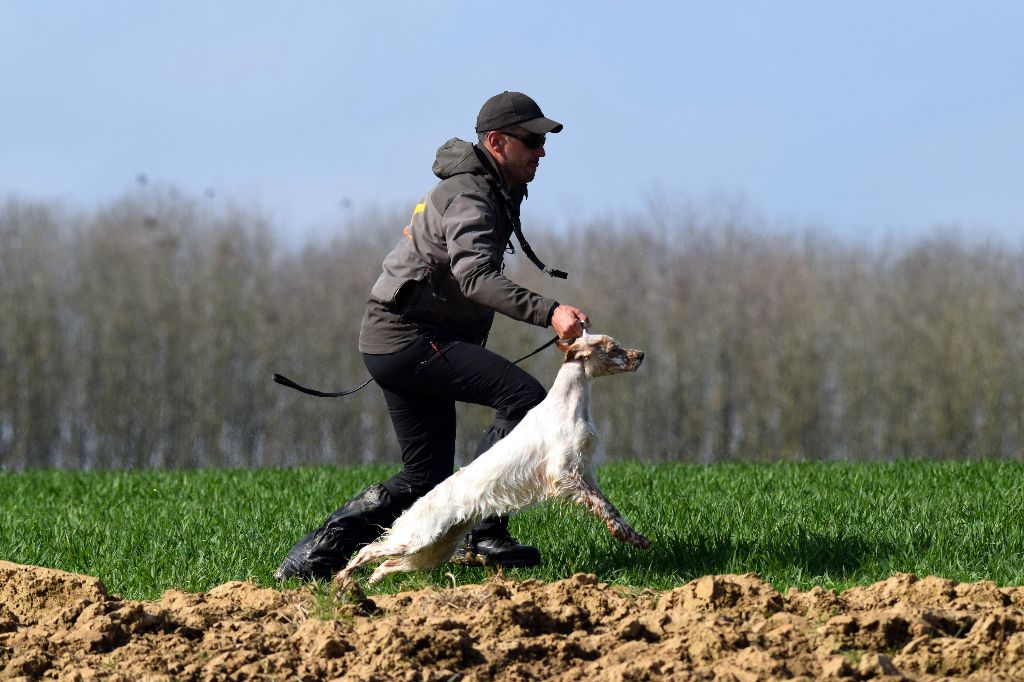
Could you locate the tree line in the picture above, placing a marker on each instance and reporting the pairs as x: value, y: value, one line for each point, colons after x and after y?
x: 145, y: 334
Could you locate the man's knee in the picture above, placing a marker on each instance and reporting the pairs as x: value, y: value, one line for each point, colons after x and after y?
x: 535, y: 395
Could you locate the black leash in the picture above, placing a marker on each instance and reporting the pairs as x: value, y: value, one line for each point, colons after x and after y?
x: 285, y: 381
x: 530, y: 355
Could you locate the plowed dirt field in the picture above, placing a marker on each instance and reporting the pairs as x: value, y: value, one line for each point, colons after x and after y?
x: 56, y: 625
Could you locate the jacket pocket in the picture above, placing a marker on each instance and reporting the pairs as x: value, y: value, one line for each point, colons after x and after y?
x: 402, y: 271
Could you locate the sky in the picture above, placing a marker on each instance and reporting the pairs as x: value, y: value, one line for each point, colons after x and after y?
x: 860, y: 118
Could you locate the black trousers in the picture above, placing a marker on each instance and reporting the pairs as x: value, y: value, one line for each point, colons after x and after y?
x: 421, y: 384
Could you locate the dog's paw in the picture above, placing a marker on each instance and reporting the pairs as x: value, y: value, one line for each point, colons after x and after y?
x: 621, y: 531
x: 346, y: 586
x: 638, y: 540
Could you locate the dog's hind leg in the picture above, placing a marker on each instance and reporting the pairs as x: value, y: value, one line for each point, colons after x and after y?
x: 427, y: 556
x: 395, y: 565
x: 374, y: 550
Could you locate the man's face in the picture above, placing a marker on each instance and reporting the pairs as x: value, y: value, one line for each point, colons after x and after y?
x: 520, y: 162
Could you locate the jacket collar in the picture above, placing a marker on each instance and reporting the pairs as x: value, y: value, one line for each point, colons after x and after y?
x: 514, y: 195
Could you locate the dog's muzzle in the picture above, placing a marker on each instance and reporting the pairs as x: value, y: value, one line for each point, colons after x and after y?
x: 636, y: 358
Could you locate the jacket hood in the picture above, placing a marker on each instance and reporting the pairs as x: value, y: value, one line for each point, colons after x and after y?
x: 457, y: 156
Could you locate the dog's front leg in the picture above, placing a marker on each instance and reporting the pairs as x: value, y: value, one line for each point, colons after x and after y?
x: 597, y: 503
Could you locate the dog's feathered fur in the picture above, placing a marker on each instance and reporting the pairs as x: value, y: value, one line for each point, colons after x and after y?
x: 549, y: 454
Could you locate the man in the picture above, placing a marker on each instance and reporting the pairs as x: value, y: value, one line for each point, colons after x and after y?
x: 425, y: 325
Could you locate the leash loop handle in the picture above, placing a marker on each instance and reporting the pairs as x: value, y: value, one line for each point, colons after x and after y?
x: 285, y: 381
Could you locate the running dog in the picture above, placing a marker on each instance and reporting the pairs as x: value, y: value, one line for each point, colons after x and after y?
x: 549, y: 454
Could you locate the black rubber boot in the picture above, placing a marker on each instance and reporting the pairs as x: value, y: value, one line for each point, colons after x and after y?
x: 327, y: 549
x: 490, y: 544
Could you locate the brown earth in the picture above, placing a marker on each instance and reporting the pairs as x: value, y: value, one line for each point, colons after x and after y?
x: 56, y: 625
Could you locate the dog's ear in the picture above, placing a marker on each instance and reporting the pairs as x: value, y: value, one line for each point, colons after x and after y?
x: 573, y: 350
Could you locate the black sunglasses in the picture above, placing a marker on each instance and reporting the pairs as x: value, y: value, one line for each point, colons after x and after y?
x: 531, y: 141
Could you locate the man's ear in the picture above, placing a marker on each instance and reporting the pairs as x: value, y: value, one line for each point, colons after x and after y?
x: 496, y: 143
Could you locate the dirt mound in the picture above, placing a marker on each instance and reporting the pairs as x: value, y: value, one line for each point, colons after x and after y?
x: 56, y: 625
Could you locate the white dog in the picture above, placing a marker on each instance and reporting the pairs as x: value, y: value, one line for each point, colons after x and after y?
x: 549, y: 454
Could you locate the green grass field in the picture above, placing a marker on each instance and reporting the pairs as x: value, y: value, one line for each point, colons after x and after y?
x: 799, y: 525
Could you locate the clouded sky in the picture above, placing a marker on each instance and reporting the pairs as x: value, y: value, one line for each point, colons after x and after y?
x: 862, y: 117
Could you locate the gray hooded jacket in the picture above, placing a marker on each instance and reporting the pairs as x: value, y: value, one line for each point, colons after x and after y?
x: 445, y: 275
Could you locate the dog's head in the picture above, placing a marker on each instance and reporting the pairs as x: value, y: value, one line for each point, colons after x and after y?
x: 600, y: 354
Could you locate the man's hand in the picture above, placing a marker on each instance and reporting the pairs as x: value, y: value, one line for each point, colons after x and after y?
x: 569, y: 322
